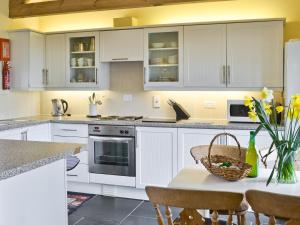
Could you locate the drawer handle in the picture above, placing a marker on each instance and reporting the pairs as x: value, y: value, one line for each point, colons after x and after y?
x: 69, y: 130
x: 72, y: 175
x: 119, y: 59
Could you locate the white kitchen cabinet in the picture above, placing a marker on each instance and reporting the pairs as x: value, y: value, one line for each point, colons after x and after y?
x: 255, y: 55
x: 12, y: 134
x: 163, y: 57
x: 27, y: 60
x: 205, y: 56
x: 122, y: 45
x: 55, y: 60
x: 83, y: 68
x: 74, y: 133
x: 263, y: 142
x: 156, y: 156
x: 189, y: 138
x: 39, y: 132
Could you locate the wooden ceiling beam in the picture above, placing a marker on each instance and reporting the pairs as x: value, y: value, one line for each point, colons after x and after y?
x: 19, y: 8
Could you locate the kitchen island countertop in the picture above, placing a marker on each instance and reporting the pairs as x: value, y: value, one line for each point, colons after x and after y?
x: 17, y: 157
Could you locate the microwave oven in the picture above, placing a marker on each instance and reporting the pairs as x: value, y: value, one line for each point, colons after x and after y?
x: 237, y: 112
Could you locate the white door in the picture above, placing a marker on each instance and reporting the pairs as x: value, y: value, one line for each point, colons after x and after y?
x: 205, y: 56
x: 82, y: 59
x: 156, y: 156
x: 255, y: 55
x: 37, y: 72
x: 55, y: 60
x: 188, y: 138
x: 39, y: 132
x: 122, y: 45
x: 163, y: 57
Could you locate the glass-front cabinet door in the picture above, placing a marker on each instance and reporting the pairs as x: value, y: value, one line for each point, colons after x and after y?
x: 82, y: 59
x: 163, y: 65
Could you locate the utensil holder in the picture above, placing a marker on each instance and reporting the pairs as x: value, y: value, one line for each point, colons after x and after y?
x: 93, y: 110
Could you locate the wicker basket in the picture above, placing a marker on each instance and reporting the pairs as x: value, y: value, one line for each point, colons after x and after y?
x: 228, y: 173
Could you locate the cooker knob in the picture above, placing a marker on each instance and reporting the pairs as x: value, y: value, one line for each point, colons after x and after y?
x: 126, y: 132
x: 121, y: 131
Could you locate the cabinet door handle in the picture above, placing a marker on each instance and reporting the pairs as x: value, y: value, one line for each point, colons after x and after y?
x: 144, y: 75
x: 73, y: 130
x: 120, y: 59
x: 228, y: 75
x: 96, y: 76
x: 72, y: 175
x: 224, y: 75
x: 43, y: 76
x: 47, y: 81
x: 24, y: 136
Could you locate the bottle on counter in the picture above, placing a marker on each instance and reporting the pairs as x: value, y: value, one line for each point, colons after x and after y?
x: 252, y: 156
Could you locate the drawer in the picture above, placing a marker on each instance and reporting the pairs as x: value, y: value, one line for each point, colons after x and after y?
x: 79, y: 174
x: 70, y: 130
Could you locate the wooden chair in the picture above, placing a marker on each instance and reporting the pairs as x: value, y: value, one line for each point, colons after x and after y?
x: 274, y: 205
x: 190, y: 201
x: 201, y: 151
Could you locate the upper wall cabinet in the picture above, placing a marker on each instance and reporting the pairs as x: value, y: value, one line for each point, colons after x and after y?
x: 121, y: 45
x: 27, y: 60
x: 255, y: 55
x: 55, y: 60
x: 82, y: 61
x: 236, y: 55
x: 205, y: 56
x: 163, y: 57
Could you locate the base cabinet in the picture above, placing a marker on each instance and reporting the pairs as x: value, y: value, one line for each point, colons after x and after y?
x: 156, y: 157
x: 189, y: 138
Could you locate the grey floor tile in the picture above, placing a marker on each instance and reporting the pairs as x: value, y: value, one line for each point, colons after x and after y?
x: 90, y: 221
x: 73, y: 218
x: 107, y: 208
x: 138, y: 220
x: 146, y: 210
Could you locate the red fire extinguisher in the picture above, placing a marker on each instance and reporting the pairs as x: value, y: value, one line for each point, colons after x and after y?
x: 5, y: 76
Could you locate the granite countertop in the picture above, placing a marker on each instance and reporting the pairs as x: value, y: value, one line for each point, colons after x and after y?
x: 17, y: 157
x: 191, y: 123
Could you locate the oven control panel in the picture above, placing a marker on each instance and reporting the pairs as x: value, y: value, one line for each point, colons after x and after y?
x: 111, y: 130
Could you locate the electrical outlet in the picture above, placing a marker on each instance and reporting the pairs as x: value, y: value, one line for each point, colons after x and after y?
x: 210, y: 104
x: 128, y: 98
x: 156, y: 102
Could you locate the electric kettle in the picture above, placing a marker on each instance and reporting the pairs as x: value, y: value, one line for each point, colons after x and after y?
x: 59, y: 107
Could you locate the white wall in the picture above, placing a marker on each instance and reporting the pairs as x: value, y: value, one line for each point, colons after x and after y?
x: 15, y: 104
x: 127, y: 78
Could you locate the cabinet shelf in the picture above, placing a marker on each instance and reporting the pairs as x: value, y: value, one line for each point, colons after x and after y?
x: 162, y: 49
x: 83, y: 52
x: 163, y: 65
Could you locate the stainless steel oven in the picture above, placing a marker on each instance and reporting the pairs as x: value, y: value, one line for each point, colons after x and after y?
x: 112, y: 150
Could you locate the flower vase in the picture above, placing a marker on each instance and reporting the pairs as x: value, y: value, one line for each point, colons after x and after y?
x: 286, y: 171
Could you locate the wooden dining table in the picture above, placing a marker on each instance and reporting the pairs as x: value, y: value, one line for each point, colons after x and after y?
x: 200, y: 179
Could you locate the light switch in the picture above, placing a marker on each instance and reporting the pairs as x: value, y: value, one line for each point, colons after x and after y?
x: 156, y: 101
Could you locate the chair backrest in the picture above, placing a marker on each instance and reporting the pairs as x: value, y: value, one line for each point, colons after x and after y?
x: 201, y: 151
x: 190, y: 201
x: 274, y: 205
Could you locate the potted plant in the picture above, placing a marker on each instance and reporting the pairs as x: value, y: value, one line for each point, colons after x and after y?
x: 286, y: 140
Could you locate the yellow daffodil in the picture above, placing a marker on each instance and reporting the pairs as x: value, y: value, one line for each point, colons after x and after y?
x: 267, y: 95
x: 248, y: 102
x: 279, y: 109
x: 267, y: 108
x: 252, y: 115
x: 295, y: 103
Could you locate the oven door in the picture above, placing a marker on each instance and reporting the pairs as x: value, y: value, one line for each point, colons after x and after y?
x: 112, y: 155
